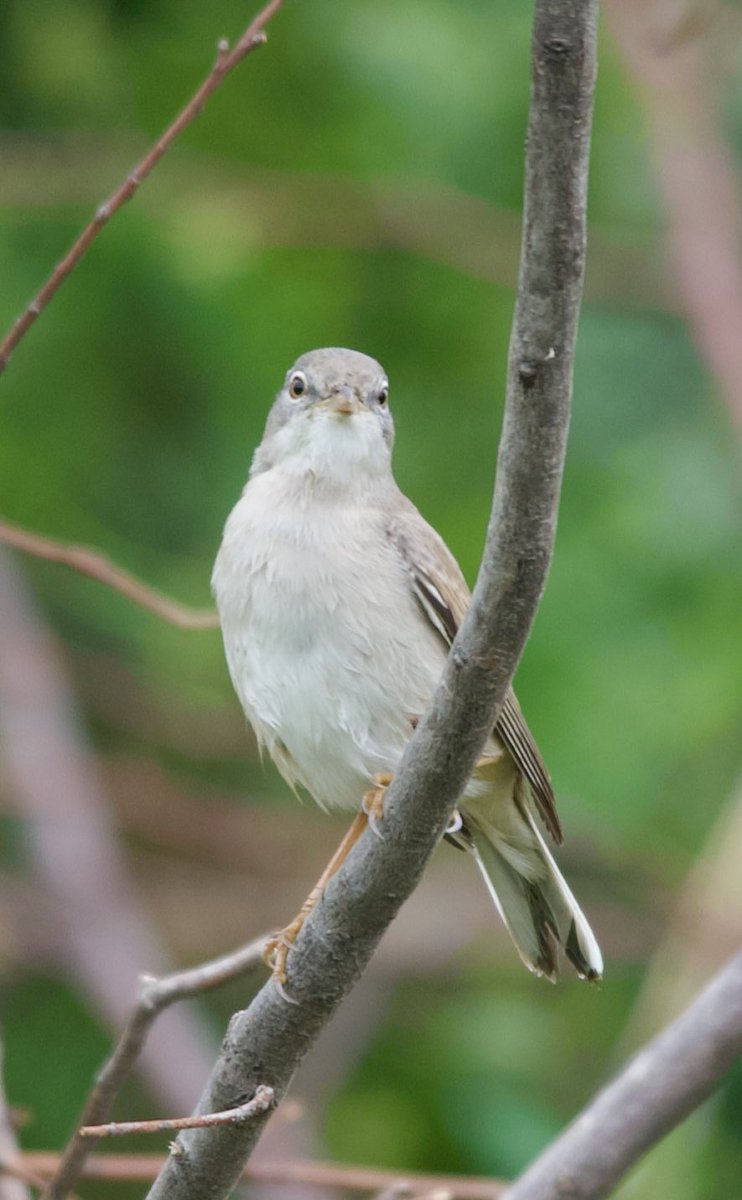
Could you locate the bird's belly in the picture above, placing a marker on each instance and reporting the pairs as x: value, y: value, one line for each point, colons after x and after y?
x: 330, y: 676
x: 318, y: 727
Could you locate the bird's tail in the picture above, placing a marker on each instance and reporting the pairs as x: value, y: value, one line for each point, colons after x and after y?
x: 532, y: 897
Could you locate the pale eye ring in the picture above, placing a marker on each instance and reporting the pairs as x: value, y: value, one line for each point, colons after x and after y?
x: 383, y: 396
x: 297, y: 385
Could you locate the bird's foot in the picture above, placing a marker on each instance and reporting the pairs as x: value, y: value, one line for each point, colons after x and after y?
x: 277, y: 948
x: 373, y: 802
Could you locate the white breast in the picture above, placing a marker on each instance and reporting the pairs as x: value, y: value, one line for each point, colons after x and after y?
x: 323, y: 637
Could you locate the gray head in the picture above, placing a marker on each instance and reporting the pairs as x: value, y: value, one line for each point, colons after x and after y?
x: 334, y: 405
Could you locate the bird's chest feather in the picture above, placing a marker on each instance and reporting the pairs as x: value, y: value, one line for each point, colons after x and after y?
x: 323, y: 636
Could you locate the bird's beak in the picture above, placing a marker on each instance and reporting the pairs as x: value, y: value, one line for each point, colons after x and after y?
x: 344, y: 402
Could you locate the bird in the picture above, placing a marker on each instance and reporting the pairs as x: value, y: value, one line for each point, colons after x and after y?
x: 338, y: 604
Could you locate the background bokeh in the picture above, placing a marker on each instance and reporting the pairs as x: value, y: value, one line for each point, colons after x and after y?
x: 357, y: 182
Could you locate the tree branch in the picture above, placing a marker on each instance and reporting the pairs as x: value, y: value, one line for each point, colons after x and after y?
x: 97, y: 566
x: 226, y: 61
x: 666, y: 1080
x: 155, y: 995
x: 265, y: 1043
x: 260, y: 1103
x: 142, y: 1168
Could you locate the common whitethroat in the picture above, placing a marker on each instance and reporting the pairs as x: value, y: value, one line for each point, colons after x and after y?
x: 338, y: 604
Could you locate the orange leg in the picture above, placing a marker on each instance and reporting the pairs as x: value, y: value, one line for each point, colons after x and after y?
x: 277, y: 948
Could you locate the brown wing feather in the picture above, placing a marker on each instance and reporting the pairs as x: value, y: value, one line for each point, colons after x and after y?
x: 511, y: 727
x: 441, y: 591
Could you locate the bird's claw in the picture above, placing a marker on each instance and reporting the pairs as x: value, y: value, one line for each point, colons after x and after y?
x: 275, y: 956
x: 373, y: 803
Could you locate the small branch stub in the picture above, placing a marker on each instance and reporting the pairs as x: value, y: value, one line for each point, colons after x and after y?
x: 260, y: 1103
x: 557, y: 45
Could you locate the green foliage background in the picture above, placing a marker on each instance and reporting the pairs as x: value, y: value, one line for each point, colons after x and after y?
x: 128, y: 418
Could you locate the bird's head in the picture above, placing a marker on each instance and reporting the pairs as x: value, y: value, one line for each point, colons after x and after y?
x: 330, y: 418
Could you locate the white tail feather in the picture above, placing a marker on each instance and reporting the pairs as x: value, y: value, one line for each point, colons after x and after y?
x: 535, y: 903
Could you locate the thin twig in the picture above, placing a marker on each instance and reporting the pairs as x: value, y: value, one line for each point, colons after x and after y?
x: 665, y: 1082
x: 260, y: 1103
x: 265, y: 1042
x: 142, y: 1168
x: 97, y: 566
x: 224, y: 63
x: 154, y: 996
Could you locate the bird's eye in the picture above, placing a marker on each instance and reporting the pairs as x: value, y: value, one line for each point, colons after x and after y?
x: 383, y: 395
x: 297, y: 385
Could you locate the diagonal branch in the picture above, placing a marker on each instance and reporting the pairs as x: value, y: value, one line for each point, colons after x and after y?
x: 265, y: 1043
x: 97, y: 566
x: 661, y: 1085
x: 226, y: 61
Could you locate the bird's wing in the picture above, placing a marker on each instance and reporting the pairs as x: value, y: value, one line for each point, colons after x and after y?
x: 443, y: 596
